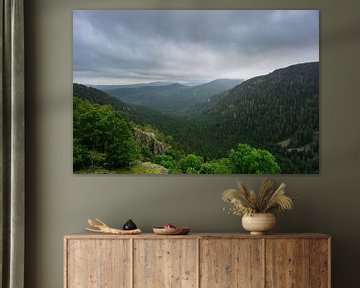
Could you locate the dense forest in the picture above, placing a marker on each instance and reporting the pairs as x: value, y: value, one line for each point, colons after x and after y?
x: 268, y: 124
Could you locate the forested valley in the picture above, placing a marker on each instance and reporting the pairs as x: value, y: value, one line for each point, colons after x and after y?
x: 265, y: 125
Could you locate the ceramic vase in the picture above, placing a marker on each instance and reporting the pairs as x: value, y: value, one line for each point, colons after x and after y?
x: 259, y: 223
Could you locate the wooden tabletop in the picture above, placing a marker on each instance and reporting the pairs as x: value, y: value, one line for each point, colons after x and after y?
x: 89, y: 235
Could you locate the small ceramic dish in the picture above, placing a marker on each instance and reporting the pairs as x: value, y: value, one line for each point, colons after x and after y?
x: 171, y: 231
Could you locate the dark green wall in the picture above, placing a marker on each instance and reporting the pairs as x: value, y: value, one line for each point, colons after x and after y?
x: 59, y: 202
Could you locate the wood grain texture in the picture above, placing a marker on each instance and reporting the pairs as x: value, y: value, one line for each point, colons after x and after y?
x: 88, y: 235
x: 319, y: 263
x: 98, y: 264
x: 231, y: 263
x: 197, y: 260
x: 166, y: 263
x: 66, y: 262
x: 287, y: 263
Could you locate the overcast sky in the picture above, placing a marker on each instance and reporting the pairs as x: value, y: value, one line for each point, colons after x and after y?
x: 123, y: 46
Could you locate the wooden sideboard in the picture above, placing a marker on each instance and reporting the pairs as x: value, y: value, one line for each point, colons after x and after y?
x: 197, y: 260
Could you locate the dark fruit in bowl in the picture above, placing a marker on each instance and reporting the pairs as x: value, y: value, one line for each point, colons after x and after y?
x: 129, y: 225
x: 169, y: 226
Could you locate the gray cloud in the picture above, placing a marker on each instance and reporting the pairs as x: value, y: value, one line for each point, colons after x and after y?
x: 123, y: 46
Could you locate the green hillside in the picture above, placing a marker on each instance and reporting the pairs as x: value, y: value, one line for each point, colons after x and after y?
x: 97, y: 96
x: 264, y: 111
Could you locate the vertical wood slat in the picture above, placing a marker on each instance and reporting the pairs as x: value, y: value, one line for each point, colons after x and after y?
x: 65, y: 262
x: 165, y: 263
x: 319, y: 263
x: 263, y: 245
x: 329, y: 263
x: 287, y: 263
x: 131, y: 262
x: 98, y: 263
x: 198, y: 263
x: 231, y: 263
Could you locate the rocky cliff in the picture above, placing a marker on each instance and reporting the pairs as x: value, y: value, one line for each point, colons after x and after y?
x: 149, y: 139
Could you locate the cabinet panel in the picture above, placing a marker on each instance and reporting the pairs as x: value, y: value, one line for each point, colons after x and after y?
x: 287, y: 263
x: 165, y: 263
x: 231, y: 263
x: 319, y: 263
x: 98, y: 263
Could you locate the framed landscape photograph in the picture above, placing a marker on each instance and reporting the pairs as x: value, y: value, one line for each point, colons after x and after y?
x: 196, y: 91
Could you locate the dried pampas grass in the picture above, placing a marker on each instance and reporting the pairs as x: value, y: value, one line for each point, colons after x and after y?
x: 245, y: 201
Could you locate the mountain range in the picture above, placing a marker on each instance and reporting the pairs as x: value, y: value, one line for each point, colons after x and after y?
x: 174, y: 98
x: 116, y: 86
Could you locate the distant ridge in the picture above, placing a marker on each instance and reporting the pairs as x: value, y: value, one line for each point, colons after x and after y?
x: 115, y: 86
x: 174, y: 98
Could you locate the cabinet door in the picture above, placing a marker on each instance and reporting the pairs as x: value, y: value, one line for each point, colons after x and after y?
x: 98, y: 263
x: 297, y: 263
x: 231, y: 263
x: 165, y: 263
x: 287, y: 263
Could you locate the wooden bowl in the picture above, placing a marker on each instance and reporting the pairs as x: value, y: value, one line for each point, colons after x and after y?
x: 171, y: 231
